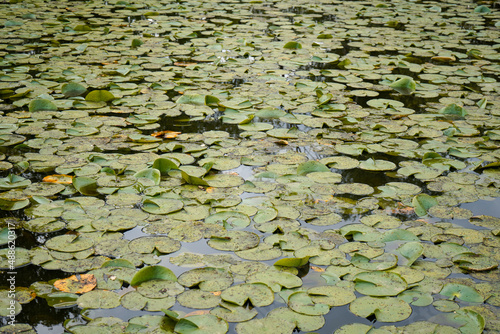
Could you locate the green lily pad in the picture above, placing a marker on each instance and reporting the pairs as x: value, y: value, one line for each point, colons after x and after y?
x: 162, y: 244
x: 152, y: 176
x: 198, y: 299
x: 377, y: 165
x: 410, y: 252
x: 453, y: 109
x: 9, y: 307
x: 85, y: 185
x: 62, y: 299
x: 234, y: 241
x: 332, y: 295
x: 256, y: 293
x: 233, y: 313
x: 42, y: 105
x: 475, y: 262
x: 467, y: 321
x: 162, y: 206
x: 416, y: 298
x: 379, y: 283
x: 13, y: 181
x: 73, y: 89
x: 206, y: 279
x: 462, y: 292
x: 293, y: 45
x: 275, y: 279
x: 153, y: 273
x: 198, y: 100
x: 385, y: 309
x: 381, y: 262
x: 311, y: 166
x: 99, y: 299
x: 201, y: 324
x: 229, y: 219
x: 69, y: 243
x: 404, y: 85
x: 422, y: 203
x: 266, y: 325
x: 99, y: 96
x: 302, y: 303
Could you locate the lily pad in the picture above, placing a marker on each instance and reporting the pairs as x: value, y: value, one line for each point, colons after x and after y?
x: 206, y: 279
x: 379, y: 283
x: 462, y: 292
x: 153, y: 273
x: 384, y: 309
x: 256, y: 293
x: 99, y: 299
x: 42, y: 105
x: 201, y: 324
x: 99, y: 96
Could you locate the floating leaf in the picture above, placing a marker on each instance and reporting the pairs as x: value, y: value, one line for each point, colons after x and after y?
x: 198, y: 100
x: 85, y: 185
x: 13, y: 181
x: 162, y: 206
x: 301, y: 302
x: 462, y: 292
x: 99, y: 96
x: 310, y: 167
x: 201, y: 324
x: 164, y: 165
x: 422, y: 203
x: 379, y: 283
x: 42, y: 105
x: 61, y: 299
x: 257, y: 294
x: 275, y: 279
x: 453, y: 109
x: 99, y: 299
x: 475, y: 262
x: 206, y: 279
x: 404, y: 85
x: 385, y: 309
x: 482, y: 9
x: 72, y: 89
x: 292, y: 45
x: 153, y: 273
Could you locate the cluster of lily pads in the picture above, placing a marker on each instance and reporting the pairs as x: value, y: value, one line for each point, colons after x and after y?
x: 252, y: 166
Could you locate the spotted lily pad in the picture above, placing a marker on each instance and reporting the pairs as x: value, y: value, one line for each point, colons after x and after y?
x: 99, y: 299
x: 256, y: 293
x: 69, y: 243
x: 385, y: 309
x: 206, y: 279
x: 162, y: 206
x: 275, y: 279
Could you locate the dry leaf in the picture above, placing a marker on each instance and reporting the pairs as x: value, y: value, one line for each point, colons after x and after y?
x: 318, y: 269
x: 58, y: 178
x: 81, y: 284
x: 167, y: 134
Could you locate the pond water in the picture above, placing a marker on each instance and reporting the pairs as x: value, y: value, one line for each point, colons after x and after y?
x: 213, y: 167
